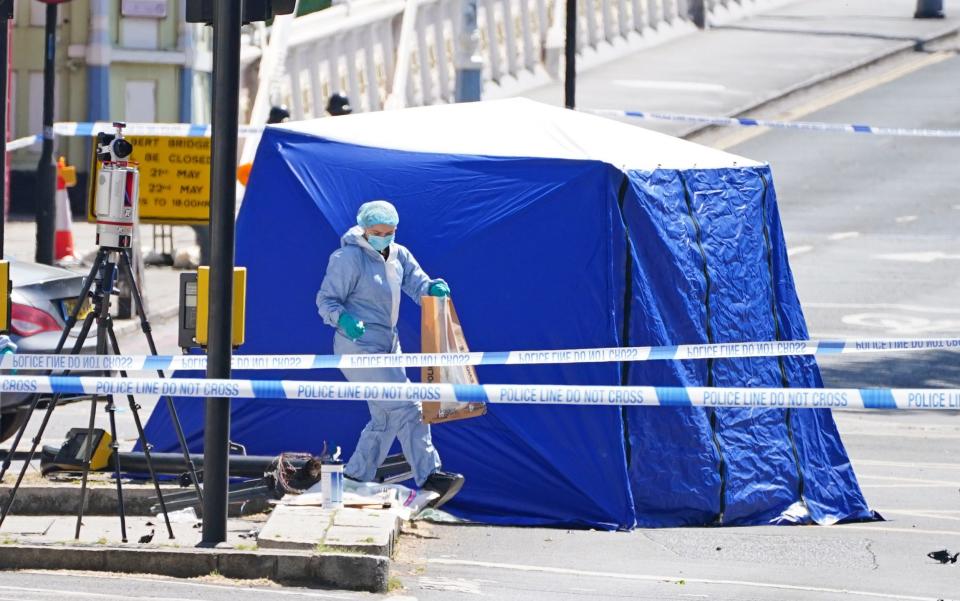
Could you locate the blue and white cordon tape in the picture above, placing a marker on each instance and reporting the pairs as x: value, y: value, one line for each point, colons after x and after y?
x: 729, y: 350
x: 542, y: 394
x: 182, y: 130
x: 849, y: 128
x: 23, y: 142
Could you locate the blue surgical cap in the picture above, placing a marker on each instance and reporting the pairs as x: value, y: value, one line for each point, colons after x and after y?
x: 377, y: 212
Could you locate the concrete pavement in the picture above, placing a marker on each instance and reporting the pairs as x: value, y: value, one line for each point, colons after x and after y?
x: 348, y: 548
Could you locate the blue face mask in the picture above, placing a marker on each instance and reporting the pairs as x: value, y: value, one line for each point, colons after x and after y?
x: 379, y: 243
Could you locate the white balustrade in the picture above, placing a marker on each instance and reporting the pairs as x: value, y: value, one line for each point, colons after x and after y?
x: 395, y: 53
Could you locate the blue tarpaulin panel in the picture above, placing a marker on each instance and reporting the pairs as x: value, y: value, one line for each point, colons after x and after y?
x: 547, y: 253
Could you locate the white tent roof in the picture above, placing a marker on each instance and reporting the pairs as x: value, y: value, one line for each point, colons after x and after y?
x: 518, y: 127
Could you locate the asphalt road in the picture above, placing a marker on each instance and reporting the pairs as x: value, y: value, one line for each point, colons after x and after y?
x: 871, y: 225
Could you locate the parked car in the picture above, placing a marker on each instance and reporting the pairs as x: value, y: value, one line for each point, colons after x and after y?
x: 42, y: 299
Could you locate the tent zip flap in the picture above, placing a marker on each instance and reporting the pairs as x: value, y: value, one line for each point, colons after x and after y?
x: 708, y: 328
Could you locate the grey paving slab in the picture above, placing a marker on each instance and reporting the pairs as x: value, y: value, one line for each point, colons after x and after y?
x: 295, y: 528
x: 368, y: 531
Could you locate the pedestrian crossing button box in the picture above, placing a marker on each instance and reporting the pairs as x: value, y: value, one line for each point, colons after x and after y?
x: 187, y: 327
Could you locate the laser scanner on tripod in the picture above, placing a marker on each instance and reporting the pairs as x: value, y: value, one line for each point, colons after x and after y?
x: 118, y: 190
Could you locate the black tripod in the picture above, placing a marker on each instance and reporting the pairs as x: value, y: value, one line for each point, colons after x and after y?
x: 103, y: 276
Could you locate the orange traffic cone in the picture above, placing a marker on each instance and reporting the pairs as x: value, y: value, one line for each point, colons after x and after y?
x: 63, y: 239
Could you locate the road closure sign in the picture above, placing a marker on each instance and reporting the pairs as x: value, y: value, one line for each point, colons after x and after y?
x: 174, y: 179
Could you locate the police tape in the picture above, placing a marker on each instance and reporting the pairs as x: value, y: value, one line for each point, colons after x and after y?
x: 182, y: 130
x: 729, y: 350
x: 542, y: 394
x: 185, y: 130
x: 23, y: 142
x: 850, y: 128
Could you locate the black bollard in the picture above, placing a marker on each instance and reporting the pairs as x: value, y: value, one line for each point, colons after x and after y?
x: 929, y: 9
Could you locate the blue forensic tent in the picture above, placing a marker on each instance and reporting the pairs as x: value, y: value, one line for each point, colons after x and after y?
x: 555, y: 229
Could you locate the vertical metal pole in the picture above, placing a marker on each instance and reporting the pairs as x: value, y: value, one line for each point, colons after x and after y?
x: 46, y: 169
x: 469, y: 85
x: 226, y: 88
x: 6, y: 12
x: 570, y: 52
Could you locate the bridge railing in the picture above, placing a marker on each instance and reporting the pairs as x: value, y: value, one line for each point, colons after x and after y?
x: 396, y: 53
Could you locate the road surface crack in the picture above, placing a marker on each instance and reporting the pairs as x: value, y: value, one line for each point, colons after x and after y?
x: 873, y: 555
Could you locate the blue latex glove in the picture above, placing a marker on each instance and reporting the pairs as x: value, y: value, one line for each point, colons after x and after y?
x: 7, y: 346
x: 439, y: 289
x: 351, y: 327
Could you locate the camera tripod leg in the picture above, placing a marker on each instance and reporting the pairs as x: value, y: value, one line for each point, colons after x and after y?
x: 101, y: 300
x: 135, y: 409
x: 70, y: 323
x: 111, y: 410
x: 171, y: 408
x: 87, y: 324
x: 84, y: 291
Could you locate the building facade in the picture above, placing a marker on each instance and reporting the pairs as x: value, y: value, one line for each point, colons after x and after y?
x: 129, y: 60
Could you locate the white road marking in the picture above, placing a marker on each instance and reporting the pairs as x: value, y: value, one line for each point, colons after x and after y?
x: 843, y: 235
x: 945, y: 466
x: 910, y: 486
x: 798, y: 250
x: 834, y: 336
x: 932, y: 512
x: 920, y: 514
x: 675, y: 579
x: 916, y: 435
x: 899, y: 324
x: 453, y: 585
x: 923, y: 531
x: 903, y: 479
x: 85, y: 595
x: 686, y: 86
x: 906, y: 219
x: 823, y: 102
x: 884, y: 306
x: 920, y: 257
